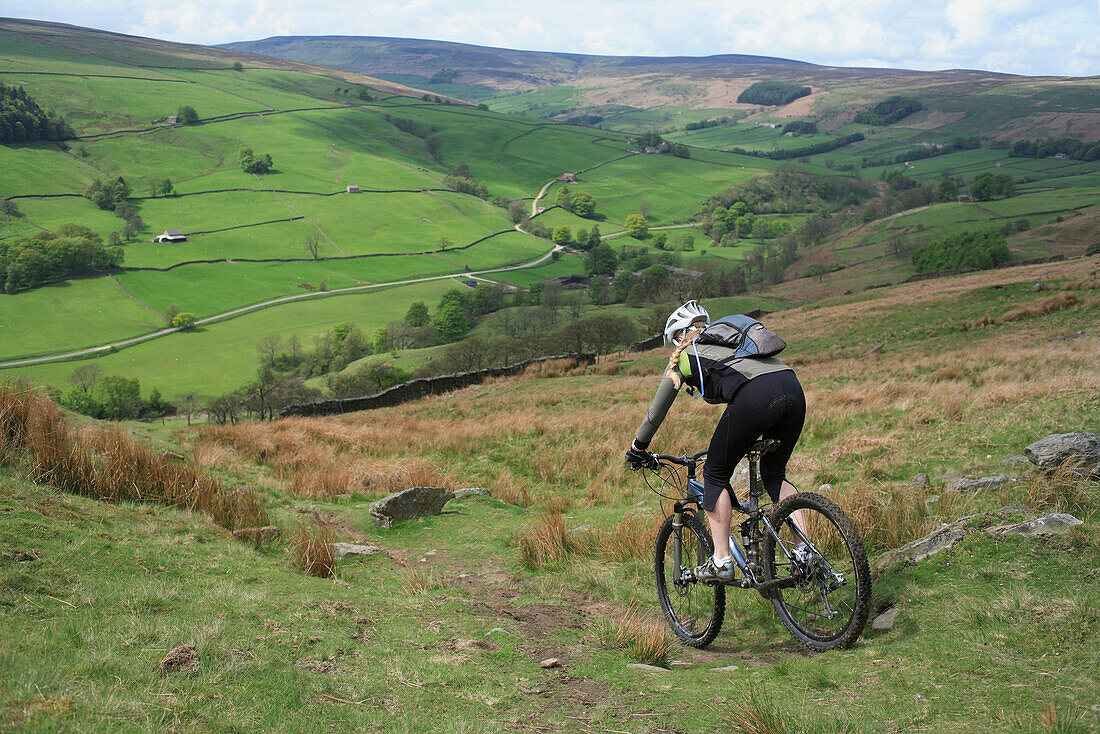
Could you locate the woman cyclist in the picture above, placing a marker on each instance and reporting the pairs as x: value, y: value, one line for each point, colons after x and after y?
x: 763, y: 398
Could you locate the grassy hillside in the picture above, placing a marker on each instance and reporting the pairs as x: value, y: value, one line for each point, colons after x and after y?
x: 445, y: 628
x: 325, y: 129
x: 634, y: 93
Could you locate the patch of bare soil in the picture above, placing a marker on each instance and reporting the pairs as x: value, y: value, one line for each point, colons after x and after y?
x: 182, y: 659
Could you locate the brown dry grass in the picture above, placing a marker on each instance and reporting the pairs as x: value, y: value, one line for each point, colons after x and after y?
x: 645, y: 637
x: 313, y: 550
x: 1040, y: 307
x: 103, y: 463
x: 545, y: 541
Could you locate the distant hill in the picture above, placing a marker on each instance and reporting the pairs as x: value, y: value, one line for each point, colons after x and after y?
x: 666, y: 93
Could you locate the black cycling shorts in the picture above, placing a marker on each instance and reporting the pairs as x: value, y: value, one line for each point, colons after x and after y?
x: 769, y: 406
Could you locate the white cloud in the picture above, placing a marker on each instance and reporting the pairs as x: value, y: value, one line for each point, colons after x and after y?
x: 1021, y: 36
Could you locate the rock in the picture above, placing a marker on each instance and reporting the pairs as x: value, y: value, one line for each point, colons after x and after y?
x: 727, y: 668
x: 1068, y: 337
x: 874, y: 350
x: 343, y: 550
x: 885, y: 621
x: 1079, y: 451
x: 921, y: 481
x: 680, y: 664
x: 257, y: 535
x: 1055, y: 524
x: 825, y: 488
x: 471, y: 492
x: 409, y: 504
x: 1036, y: 288
x: 946, y: 477
x: 930, y: 499
x: 496, y: 631
x: 647, y: 668
x: 946, y: 536
x: 551, y: 663
x: 938, y: 540
x: 963, y: 484
x: 1017, y: 459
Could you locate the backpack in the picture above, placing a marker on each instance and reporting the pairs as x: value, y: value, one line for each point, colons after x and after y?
x: 746, y: 335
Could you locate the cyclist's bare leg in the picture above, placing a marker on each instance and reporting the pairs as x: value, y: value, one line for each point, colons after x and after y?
x: 787, y: 490
x: 719, y: 521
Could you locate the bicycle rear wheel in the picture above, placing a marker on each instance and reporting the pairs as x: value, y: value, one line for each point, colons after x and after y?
x: 694, y: 610
x: 828, y: 605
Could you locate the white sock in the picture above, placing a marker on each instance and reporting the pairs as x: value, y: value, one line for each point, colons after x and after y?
x: 721, y: 561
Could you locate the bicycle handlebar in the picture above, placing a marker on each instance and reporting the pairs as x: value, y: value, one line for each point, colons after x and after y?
x: 684, y: 460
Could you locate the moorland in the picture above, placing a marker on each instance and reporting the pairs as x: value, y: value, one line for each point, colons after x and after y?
x: 129, y: 603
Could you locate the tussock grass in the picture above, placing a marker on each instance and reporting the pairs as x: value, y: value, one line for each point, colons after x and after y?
x: 545, y: 541
x: 550, y: 368
x: 312, y: 547
x: 103, y: 463
x: 1042, y: 306
x: 644, y: 637
x: 423, y: 580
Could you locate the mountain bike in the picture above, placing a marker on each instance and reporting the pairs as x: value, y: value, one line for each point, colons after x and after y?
x: 818, y: 581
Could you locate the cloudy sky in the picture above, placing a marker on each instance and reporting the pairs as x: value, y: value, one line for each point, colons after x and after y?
x: 1034, y: 37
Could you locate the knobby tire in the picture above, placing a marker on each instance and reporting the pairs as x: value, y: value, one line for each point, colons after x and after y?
x: 693, y: 610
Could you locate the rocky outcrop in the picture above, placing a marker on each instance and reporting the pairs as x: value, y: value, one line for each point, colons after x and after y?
x: 472, y: 492
x: 1005, y: 521
x: 965, y: 484
x: 257, y: 535
x: 343, y: 550
x: 1078, y: 452
x: 409, y: 504
x: 1056, y: 524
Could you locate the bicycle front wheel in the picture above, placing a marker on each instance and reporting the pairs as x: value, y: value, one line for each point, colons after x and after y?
x: 694, y: 610
x: 827, y: 605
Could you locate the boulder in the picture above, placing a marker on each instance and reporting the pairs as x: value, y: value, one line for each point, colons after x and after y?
x: 472, y: 492
x: 938, y: 540
x: 647, y: 668
x: 921, y: 481
x: 343, y: 550
x: 885, y: 621
x: 965, y: 484
x: 1055, y: 524
x: 409, y: 504
x: 1080, y: 451
x: 257, y: 535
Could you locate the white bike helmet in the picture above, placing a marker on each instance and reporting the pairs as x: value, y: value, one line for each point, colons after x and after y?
x: 681, y: 319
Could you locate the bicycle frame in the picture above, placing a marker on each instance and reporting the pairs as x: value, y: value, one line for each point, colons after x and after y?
x: 747, y: 556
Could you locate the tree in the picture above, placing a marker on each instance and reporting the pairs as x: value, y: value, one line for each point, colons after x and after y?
x: 517, y: 210
x: 164, y: 187
x: 238, y: 66
x: 583, y: 205
x: 8, y: 208
x: 660, y: 241
x: 687, y: 241
x: 187, y: 402
x: 187, y: 115
x: 564, y: 199
x: 637, y: 226
x: 444, y: 243
x: 313, y: 245
x: 86, y: 376
x: 120, y: 397
x: 594, y: 237
x: 184, y: 321
x: 601, y: 260
x: 451, y: 322
x: 946, y: 190
x: 268, y: 348
x: 417, y: 315
x: 562, y: 235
